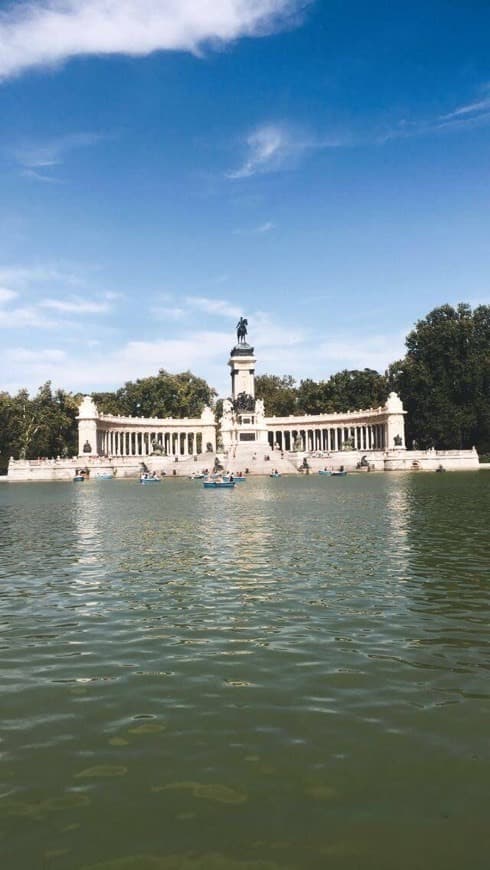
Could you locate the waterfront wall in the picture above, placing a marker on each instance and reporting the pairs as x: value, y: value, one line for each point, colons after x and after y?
x: 260, y: 461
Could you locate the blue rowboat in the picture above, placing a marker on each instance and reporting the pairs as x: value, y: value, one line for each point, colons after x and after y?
x: 274, y: 474
x: 144, y: 479
x: 338, y: 474
x: 79, y: 478
x: 219, y: 484
x: 104, y: 475
x: 324, y: 471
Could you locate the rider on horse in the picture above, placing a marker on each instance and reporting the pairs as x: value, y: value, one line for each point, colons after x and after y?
x: 241, y: 329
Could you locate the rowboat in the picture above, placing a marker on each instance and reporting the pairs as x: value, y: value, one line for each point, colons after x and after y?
x: 104, y: 475
x: 274, y: 474
x: 219, y: 484
x: 338, y: 474
x: 148, y: 478
x: 324, y: 471
x: 79, y: 478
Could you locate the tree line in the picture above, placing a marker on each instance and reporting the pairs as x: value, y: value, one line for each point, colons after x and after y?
x: 443, y: 381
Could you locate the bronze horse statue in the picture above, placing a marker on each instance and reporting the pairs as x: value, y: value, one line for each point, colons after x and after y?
x: 241, y: 330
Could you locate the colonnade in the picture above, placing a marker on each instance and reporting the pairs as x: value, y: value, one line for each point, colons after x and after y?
x: 127, y: 442
x: 331, y: 438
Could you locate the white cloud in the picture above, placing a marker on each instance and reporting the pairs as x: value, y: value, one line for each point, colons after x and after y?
x: 269, y: 334
x: 205, y: 353
x: 474, y: 112
x: 50, y: 153
x: 281, y: 349
x: 363, y: 351
x: 268, y: 147
x: 20, y: 355
x: 218, y: 307
x: 265, y: 227
x: 6, y: 295
x: 22, y: 276
x: 166, y: 312
x: 49, y: 32
x: 39, y: 176
x: 274, y: 146
x: 27, y: 316
x: 76, y: 306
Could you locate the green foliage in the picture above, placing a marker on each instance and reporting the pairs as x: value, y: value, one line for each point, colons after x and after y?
x: 278, y: 394
x: 44, y: 425
x: 162, y: 395
x: 344, y: 391
x: 444, y: 379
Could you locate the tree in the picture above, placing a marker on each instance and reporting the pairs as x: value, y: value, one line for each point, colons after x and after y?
x: 44, y: 425
x: 278, y: 394
x: 5, y: 431
x: 162, y: 395
x: 444, y: 379
x: 344, y: 391
x: 313, y: 397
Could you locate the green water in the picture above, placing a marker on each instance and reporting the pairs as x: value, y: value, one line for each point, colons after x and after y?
x: 294, y: 674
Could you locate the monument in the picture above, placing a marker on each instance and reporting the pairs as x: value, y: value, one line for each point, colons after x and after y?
x: 243, y: 421
x: 243, y: 438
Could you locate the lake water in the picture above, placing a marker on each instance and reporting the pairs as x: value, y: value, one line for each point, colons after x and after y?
x: 293, y: 674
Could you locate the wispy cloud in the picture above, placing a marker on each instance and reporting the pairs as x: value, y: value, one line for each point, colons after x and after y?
x: 76, y: 305
x: 467, y: 115
x: 267, y: 148
x: 21, y: 308
x: 48, y: 32
x: 218, y: 307
x: 168, y: 312
x: 25, y: 316
x: 274, y: 146
x: 22, y: 276
x: 40, y: 176
x: 281, y: 348
x: 470, y: 110
x: 38, y: 159
x: 265, y: 227
x: 51, y: 152
x: 6, y: 295
x: 42, y: 355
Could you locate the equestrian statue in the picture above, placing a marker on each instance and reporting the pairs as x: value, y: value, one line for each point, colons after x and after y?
x: 241, y: 330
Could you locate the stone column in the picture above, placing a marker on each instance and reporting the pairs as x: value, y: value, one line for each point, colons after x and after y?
x: 88, y: 416
x: 395, y: 423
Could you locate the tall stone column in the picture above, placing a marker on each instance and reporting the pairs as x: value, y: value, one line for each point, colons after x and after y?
x: 88, y: 416
x: 395, y: 423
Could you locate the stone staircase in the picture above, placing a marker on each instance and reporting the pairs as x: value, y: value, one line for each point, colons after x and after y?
x: 256, y: 459
x: 259, y: 459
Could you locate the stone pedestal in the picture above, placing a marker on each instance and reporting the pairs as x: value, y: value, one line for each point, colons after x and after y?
x: 243, y: 422
x: 87, y: 428
x: 395, y: 423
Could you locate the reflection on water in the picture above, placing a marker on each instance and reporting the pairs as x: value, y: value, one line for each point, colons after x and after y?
x: 293, y: 674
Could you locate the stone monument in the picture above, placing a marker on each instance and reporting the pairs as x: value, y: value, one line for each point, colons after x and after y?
x: 243, y: 420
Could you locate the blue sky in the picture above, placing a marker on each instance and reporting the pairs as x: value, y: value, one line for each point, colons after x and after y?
x: 167, y: 165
